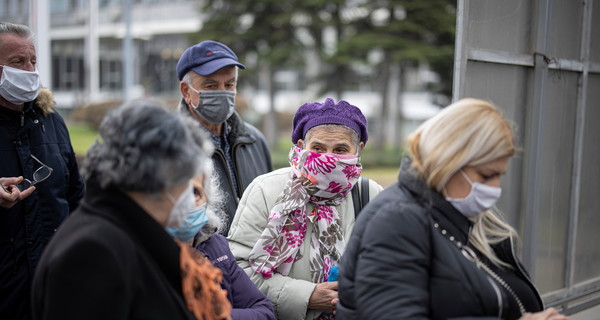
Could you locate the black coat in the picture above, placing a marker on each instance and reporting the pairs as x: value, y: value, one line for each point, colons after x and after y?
x: 109, y: 260
x: 251, y: 158
x: 26, y: 228
x: 398, y: 265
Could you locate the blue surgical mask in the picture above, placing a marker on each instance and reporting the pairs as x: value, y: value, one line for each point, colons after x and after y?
x: 191, y: 225
x: 215, y: 106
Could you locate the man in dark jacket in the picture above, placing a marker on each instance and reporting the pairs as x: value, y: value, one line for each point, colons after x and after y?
x: 208, y: 73
x: 38, y: 171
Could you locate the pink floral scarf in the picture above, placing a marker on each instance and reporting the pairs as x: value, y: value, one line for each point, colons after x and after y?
x: 323, y: 179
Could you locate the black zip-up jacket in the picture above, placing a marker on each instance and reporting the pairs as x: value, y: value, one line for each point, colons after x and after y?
x: 250, y: 155
x: 27, y: 227
x: 399, y: 265
x: 109, y: 260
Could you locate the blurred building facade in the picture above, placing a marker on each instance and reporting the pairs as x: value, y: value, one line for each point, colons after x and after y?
x: 159, y: 33
x: 85, y: 60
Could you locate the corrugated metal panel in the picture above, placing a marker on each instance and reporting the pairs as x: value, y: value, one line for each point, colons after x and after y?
x: 539, y: 61
x: 587, y: 255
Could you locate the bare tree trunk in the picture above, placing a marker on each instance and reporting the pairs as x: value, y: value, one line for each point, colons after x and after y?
x: 399, y: 137
x: 271, y: 121
x: 380, y: 129
x: 339, y: 84
x: 394, y: 105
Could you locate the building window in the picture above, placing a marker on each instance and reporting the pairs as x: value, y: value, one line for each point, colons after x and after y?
x: 68, y: 65
x: 110, y: 75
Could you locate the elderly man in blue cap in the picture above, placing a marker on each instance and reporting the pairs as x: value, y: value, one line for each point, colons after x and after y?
x: 292, y: 225
x: 208, y: 74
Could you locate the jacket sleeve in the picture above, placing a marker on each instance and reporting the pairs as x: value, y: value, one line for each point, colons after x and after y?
x: 289, y: 296
x: 76, y: 187
x: 392, y: 268
x: 262, y: 142
x: 247, y: 301
x: 65, y: 287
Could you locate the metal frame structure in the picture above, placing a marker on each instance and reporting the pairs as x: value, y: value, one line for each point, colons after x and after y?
x: 574, y: 296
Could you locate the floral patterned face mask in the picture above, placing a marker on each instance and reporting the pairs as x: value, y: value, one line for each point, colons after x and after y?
x: 323, y: 180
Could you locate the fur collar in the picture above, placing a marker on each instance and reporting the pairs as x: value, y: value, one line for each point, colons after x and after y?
x: 45, y: 102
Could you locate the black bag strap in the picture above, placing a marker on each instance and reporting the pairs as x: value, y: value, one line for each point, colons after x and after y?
x: 360, y: 195
x: 364, y: 186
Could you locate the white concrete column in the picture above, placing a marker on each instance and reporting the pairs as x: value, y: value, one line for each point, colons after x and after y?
x: 92, y: 47
x: 128, y: 52
x: 39, y: 23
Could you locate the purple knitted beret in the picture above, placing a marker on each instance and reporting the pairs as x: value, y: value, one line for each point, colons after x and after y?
x: 312, y: 114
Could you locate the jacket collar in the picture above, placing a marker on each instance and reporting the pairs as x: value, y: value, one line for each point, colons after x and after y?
x: 44, y: 103
x: 120, y: 209
x: 441, y: 210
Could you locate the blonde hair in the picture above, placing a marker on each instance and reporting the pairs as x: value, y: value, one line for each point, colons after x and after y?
x: 469, y: 132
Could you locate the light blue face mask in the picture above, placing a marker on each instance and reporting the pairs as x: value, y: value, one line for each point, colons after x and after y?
x: 191, y: 225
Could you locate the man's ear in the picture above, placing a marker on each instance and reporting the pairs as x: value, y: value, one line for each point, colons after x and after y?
x: 183, y: 87
x: 300, y: 144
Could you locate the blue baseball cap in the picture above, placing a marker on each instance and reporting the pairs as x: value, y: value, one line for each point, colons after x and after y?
x: 206, y: 58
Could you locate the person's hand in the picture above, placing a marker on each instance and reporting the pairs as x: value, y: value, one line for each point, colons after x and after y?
x: 325, y: 297
x: 10, y: 194
x: 548, y: 314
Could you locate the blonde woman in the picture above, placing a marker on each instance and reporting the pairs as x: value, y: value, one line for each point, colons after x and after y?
x: 430, y: 247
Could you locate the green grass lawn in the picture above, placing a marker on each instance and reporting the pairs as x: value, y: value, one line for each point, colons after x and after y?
x: 383, y: 175
x: 82, y: 137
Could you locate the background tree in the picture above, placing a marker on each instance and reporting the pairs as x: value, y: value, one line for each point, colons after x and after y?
x: 262, y: 35
x: 339, y: 39
x: 402, y: 34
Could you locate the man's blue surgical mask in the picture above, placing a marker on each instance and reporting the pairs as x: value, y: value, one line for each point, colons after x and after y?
x: 215, y: 106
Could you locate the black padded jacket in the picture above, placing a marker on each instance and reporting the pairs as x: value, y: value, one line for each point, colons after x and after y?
x: 399, y: 265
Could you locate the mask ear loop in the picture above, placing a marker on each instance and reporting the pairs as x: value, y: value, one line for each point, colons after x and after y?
x: 197, y: 92
x: 466, y: 177
x: 170, y: 197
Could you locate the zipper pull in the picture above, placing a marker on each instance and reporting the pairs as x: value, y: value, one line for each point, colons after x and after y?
x: 22, y: 118
x: 470, y: 254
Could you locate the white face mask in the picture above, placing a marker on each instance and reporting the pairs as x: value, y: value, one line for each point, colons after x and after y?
x: 481, y: 198
x: 19, y: 86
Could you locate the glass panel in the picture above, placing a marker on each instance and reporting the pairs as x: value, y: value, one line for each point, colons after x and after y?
x: 595, y: 36
x: 507, y: 87
x: 555, y: 163
x: 587, y: 249
x: 564, y: 40
x: 59, y: 6
x: 500, y: 25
